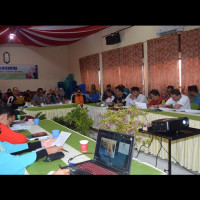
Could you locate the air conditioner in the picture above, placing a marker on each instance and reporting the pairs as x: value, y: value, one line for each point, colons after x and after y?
x: 165, y: 30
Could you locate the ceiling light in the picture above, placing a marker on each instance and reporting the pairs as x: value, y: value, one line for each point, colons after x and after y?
x: 12, y: 36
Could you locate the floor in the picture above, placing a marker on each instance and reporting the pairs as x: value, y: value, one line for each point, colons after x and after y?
x: 162, y: 164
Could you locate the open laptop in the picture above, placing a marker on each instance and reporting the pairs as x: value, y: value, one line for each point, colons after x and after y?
x: 113, y: 156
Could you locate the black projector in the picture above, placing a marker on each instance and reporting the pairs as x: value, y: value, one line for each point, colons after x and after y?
x: 170, y: 125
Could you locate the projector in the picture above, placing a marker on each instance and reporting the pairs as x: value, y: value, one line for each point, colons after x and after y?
x: 170, y: 125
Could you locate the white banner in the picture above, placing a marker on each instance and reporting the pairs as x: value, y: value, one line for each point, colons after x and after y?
x: 18, y: 72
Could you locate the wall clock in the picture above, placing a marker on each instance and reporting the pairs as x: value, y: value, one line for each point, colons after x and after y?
x: 6, y: 57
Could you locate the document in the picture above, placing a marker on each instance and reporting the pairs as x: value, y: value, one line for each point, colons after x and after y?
x: 141, y: 105
x: 63, y: 136
x: 20, y: 127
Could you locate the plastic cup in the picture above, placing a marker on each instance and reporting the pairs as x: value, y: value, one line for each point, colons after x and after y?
x: 55, y: 133
x: 18, y: 117
x: 30, y: 121
x: 84, y: 145
x: 36, y: 121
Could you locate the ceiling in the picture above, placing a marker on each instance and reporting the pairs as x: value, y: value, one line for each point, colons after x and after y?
x: 44, y: 35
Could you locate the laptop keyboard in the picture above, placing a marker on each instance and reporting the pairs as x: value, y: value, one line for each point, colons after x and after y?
x: 95, y: 169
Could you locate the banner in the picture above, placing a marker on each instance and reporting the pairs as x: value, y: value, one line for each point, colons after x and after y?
x: 18, y: 72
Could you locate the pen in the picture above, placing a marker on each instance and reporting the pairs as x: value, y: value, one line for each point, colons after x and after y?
x: 65, y: 150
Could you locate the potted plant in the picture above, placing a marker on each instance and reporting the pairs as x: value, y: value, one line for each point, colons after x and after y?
x: 79, y: 120
x: 125, y: 121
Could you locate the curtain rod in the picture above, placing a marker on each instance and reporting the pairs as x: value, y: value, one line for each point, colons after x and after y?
x: 117, y: 31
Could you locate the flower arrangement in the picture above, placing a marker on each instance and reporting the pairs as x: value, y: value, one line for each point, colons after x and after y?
x: 125, y: 121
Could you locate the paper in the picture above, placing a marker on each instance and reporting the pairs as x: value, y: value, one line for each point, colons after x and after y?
x: 63, y: 136
x: 20, y: 127
x: 141, y: 105
x: 37, y: 138
x: 192, y: 111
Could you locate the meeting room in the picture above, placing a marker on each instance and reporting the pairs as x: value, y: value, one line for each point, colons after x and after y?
x: 99, y: 100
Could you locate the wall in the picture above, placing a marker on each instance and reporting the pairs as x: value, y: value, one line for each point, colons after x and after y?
x: 52, y: 65
x: 96, y: 43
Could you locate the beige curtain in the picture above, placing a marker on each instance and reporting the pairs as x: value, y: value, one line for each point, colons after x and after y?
x: 163, y: 68
x: 123, y: 66
x: 190, y: 58
x: 89, y: 68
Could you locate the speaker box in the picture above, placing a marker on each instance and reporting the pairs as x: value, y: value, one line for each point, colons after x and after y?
x: 114, y: 38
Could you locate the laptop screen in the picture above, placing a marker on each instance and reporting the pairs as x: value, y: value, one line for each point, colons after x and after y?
x: 114, y: 149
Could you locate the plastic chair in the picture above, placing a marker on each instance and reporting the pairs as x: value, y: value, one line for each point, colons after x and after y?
x: 194, y: 106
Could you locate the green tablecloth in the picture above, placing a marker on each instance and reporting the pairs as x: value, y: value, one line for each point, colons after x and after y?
x: 41, y: 167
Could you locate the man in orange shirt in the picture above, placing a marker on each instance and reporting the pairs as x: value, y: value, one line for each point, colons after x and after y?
x: 156, y: 98
x: 7, y: 116
x: 78, y: 98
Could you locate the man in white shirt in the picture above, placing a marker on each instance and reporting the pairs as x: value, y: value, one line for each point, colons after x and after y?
x: 177, y: 100
x: 134, y: 97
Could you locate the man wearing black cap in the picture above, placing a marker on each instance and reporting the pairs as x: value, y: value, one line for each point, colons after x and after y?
x: 78, y: 97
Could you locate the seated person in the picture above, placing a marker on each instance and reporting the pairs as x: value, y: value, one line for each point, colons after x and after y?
x: 16, y: 100
x: 7, y: 95
x: 108, y: 87
x: 7, y: 116
x: 39, y: 98
x: 177, y: 100
x: 109, y: 97
x: 126, y: 90
x: 62, y: 94
x: 194, y: 94
x: 27, y: 96
x: 169, y: 90
x: 94, y: 94
x: 134, y: 97
x: 55, y: 97
x: 78, y: 97
x: 156, y: 98
x: 13, y: 163
x: 120, y: 97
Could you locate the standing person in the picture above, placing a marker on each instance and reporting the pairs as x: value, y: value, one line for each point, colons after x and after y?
x: 177, y: 100
x: 156, y: 99
x: 134, y: 97
x: 39, y: 98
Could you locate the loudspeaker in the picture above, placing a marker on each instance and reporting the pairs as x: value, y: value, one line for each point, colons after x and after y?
x: 114, y: 38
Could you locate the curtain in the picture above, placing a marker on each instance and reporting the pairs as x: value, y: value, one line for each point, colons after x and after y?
x: 123, y: 66
x: 89, y: 69
x: 111, y: 68
x: 163, y: 66
x: 190, y: 58
x: 131, y: 66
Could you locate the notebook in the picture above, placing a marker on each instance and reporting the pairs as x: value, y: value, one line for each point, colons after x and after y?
x: 113, y: 156
x: 20, y: 100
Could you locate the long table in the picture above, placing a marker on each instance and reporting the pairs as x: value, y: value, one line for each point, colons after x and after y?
x: 186, y: 151
x: 73, y: 147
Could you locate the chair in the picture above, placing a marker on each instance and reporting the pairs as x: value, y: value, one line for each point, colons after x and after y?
x: 194, y: 106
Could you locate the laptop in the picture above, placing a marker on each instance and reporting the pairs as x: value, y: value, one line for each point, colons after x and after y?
x: 113, y: 156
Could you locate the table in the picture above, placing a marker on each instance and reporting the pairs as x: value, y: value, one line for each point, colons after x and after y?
x: 51, y: 111
x: 172, y: 137
x: 73, y: 146
x: 186, y: 150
